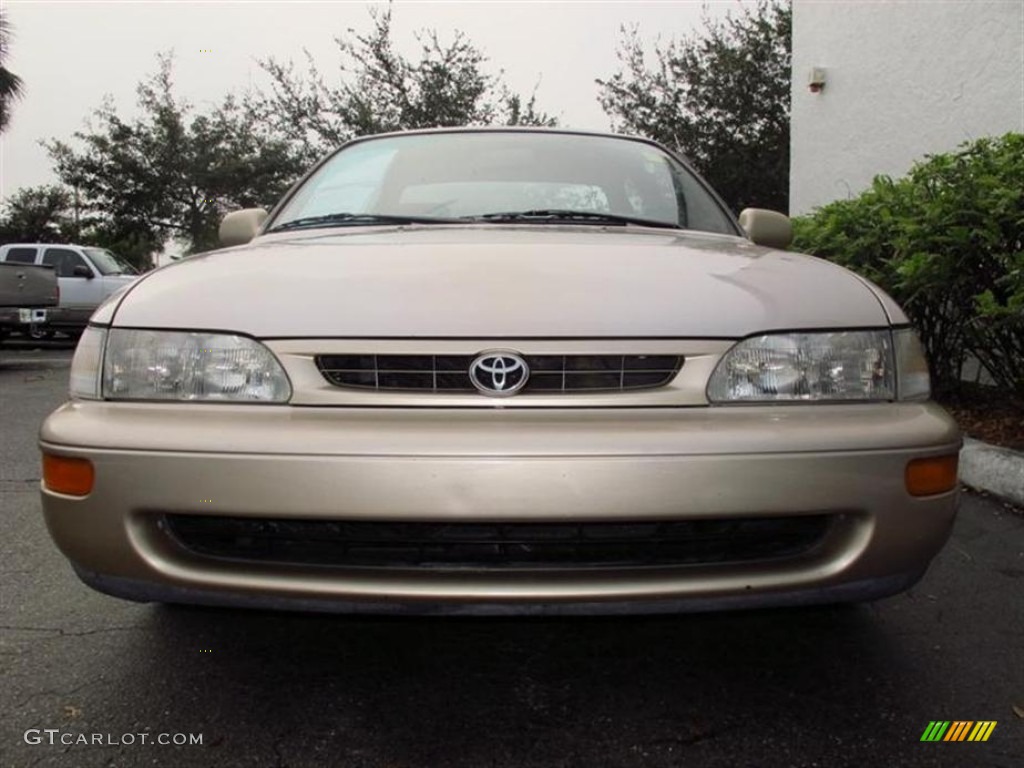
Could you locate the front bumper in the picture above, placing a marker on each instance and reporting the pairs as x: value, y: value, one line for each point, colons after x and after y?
x: 506, y: 466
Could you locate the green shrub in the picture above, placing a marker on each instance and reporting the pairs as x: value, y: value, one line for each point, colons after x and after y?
x: 947, y: 243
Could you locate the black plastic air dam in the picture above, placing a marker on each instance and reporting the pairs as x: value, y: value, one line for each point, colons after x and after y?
x: 498, y: 546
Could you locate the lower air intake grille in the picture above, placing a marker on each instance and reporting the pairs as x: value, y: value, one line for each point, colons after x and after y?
x: 549, y: 374
x: 497, y: 546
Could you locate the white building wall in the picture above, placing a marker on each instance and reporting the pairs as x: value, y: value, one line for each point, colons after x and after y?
x: 903, y: 79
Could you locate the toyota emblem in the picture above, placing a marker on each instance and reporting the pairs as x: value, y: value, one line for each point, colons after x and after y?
x: 499, y: 374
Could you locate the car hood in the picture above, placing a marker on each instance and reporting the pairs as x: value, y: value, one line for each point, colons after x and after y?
x: 500, y: 281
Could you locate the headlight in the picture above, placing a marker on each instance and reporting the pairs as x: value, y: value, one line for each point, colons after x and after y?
x: 797, y: 367
x: 172, y: 365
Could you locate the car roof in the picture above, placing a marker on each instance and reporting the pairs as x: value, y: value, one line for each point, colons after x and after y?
x: 513, y: 129
x: 504, y: 129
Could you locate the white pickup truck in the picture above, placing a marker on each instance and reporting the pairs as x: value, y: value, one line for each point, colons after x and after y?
x: 86, y: 276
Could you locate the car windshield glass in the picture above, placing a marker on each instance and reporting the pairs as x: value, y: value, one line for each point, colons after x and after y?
x: 476, y: 176
x: 109, y: 264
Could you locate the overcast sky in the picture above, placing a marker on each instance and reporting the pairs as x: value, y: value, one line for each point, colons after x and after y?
x: 72, y: 53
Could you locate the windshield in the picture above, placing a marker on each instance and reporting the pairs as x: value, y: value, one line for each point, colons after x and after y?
x: 109, y: 264
x: 468, y: 175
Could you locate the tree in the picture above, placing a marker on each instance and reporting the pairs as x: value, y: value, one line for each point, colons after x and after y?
x: 11, y: 86
x: 172, y: 172
x: 37, y: 215
x: 720, y: 97
x: 381, y: 90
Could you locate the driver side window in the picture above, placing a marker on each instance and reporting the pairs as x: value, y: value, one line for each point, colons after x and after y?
x: 64, y: 261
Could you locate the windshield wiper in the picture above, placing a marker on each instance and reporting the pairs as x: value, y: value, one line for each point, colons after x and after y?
x: 342, y: 219
x: 556, y: 215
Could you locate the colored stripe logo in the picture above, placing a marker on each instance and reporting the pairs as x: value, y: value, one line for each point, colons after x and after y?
x: 958, y: 730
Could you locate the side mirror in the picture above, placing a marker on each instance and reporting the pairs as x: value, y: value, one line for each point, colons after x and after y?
x: 80, y: 270
x: 239, y: 227
x: 767, y: 228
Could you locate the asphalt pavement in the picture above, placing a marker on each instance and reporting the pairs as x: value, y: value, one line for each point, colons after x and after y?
x: 833, y: 686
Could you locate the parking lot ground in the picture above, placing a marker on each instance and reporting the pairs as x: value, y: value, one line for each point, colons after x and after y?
x: 831, y: 686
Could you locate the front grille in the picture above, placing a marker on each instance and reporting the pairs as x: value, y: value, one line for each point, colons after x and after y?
x: 549, y: 374
x: 498, y: 546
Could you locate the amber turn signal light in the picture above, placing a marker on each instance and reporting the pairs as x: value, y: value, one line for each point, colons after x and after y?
x: 74, y: 477
x: 927, y: 477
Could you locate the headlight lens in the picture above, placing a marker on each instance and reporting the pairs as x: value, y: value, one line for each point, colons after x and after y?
x: 172, y: 365
x: 796, y: 367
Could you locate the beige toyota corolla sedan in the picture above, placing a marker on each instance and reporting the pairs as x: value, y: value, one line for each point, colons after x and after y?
x: 500, y: 371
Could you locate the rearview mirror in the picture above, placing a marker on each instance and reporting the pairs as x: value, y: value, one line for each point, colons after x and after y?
x: 767, y: 228
x: 80, y: 270
x: 239, y: 227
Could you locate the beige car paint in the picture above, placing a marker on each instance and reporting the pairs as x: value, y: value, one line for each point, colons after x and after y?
x: 501, y: 281
x: 463, y: 464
